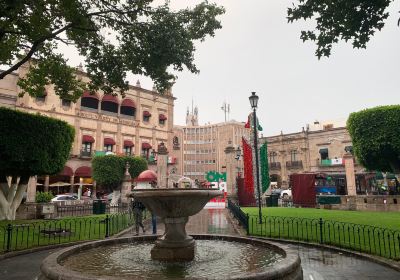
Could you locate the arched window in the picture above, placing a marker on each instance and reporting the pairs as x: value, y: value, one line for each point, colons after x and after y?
x: 109, y: 103
x: 128, y: 107
x: 89, y: 101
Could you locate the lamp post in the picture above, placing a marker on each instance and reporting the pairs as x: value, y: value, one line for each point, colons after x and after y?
x: 237, y: 157
x: 253, y: 102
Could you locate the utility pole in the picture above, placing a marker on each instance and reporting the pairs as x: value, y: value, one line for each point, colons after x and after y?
x: 226, y: 108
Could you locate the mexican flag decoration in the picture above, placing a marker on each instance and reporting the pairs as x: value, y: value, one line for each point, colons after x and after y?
x: 249, y: 123
x: 248, y: 167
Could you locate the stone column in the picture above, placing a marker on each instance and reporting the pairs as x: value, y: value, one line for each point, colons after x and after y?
x: 46, y: 183
x: 350, y: 175
x: 126, y: 187
x: 94, y: 190
x: 162, y: 166
x: 230, y: 169
x: 72, y: 181
x: 31, y: 190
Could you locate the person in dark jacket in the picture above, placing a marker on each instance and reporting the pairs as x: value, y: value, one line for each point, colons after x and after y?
x: 138, y: 209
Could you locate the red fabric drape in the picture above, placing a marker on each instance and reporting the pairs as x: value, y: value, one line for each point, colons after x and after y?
x: 248, y: 167
x: 303, y: 189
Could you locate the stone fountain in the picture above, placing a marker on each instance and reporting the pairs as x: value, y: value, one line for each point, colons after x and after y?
x: 174, y: 255
x: 174, y: 206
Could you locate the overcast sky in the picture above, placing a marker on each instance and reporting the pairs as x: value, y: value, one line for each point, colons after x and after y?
x: 257, y: 50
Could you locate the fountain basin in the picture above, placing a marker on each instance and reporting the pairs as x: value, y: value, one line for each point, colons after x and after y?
x: 272, y: 261
x: 174, y: 206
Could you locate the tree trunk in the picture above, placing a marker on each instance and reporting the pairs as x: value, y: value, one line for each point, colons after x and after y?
x: 11, y: 194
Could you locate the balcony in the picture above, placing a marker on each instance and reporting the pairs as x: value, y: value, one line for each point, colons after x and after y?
x: 330, y: 162
x: 85, y: 154
x: 294, y: 164
x: 274, y: 165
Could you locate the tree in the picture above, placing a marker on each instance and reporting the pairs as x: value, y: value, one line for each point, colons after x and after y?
x: 29, y: 145
x: 108, y: 171
x: 355, y: 20
x: 114, y: 37
x: 375, y: 136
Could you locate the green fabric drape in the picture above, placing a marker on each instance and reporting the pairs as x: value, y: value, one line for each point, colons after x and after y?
x: 264, y: 167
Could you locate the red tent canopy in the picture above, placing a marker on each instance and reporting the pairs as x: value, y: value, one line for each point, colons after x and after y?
x: 110, y: 98
x: 128, y: 143
x: 87, y: 139
x: 83, y: 171
x: 67, y: 171
x: 146, y: 114
x: 146, y: 146
x: 162, y: 117
x: 87, y: 94
x: 128, y: 103
x: 109, y: 141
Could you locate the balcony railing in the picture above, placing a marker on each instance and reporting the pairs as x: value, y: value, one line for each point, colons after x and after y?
x: 274, y: 165
x: 294, y: 164
x: 86, y: 154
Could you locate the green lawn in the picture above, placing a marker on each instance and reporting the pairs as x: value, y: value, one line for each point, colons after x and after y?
x: 380, y: 219
x: 372, y: 232
x: 33, y: 233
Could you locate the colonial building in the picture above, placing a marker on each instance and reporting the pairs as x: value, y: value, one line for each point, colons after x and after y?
x: 318, y: 148
x: 130, y: 125
x: 200, y: 150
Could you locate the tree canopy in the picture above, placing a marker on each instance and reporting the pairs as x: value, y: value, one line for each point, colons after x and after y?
x: 375, y: 136
x: 108, y: 171
x: 32, y: 144
x: 113, y: 36
x: 354, y: 20
x: 29, y: 145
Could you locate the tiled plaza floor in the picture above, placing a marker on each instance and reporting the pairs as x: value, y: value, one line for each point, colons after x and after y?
x: 318, y: 264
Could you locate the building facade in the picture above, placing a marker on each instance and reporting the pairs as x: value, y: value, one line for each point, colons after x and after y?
x: 104, y: 124
x: 201, y: 150
x: 319, y: 148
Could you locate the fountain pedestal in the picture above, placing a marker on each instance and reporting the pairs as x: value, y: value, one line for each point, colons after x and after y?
x: 175, y: 244
x: 174, y: 206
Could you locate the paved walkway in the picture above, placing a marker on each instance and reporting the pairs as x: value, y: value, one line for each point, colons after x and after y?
x: 318, y: 264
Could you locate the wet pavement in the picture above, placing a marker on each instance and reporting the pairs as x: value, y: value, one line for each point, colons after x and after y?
x: 318, y: 264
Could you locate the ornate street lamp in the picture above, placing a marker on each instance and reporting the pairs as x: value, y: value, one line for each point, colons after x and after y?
x: 253, y: 102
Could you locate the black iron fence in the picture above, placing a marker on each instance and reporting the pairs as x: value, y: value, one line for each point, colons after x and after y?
x: 242, y: 217
x: 363, y: 238
x: 22, y: 236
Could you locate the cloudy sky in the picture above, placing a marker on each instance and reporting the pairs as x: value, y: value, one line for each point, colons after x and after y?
x: 257, y: 50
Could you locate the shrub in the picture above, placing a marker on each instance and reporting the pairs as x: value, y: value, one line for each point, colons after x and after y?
x: 44, y: 197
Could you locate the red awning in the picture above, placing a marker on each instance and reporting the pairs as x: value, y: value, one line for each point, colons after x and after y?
x: 128, y: 143
x: 109, y: 141
x: 83, y: 171
x: 87, y: 139
x: 162, y: 117
x: 146, y: 146
x: 87, y: 94
x: 146, y: 114
x: 128, y: 103
x: 110, y: 98
x: 67, y: 171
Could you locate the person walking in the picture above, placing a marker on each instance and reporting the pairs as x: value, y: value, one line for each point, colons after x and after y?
x: 138, y: 209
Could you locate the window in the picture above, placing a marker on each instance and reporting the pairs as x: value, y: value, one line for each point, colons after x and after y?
x: 161, y: 119
x: 324, y: 153
x: 66, y: 103
x: 128, y: 107
x: 40, y: 98
x: 128, y: 150
x: 146, y: 116
x: 272, y: 156
x: 349, y: 149
x: 108, y: 147
x: 293, y: 155
x: 87, y: 147
x: 89, y: 101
